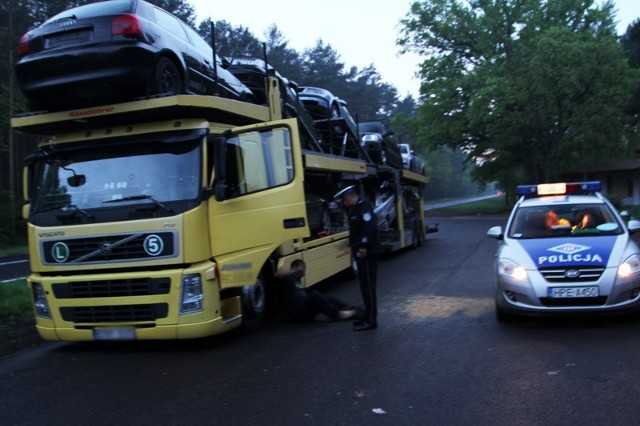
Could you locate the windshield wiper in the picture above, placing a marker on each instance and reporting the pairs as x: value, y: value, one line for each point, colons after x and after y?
x: 66, y: 206
x: 141, y: 197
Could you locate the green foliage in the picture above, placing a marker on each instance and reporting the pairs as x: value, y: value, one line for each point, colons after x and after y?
x: 448, y: 174
x: 529, y: 89
x: 15, y: 300
x: 630, y: 43
x: 17, y: 329
x: 490, y: 206
x: 231, y: 41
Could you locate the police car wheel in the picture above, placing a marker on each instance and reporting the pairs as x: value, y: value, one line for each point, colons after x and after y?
x: 503, y: 316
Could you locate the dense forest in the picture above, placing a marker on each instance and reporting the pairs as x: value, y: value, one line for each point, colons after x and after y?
x: 512, y: 90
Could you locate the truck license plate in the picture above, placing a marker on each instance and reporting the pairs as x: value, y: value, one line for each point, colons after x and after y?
x: 569, y: 292
x: 126, y: 333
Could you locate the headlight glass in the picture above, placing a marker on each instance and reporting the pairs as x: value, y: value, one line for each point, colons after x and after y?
x: 40, y: 301
x: 630, y: 266
x: 511, y: 269
x: 191, y: 300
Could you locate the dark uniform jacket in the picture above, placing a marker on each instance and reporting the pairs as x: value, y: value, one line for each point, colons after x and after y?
x: 363, y: 227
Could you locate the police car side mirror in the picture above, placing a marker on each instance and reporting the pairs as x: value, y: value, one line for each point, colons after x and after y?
x: 634, y: 226
x: 495, y: 232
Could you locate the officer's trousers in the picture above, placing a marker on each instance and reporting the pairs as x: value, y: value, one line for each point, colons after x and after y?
x: 368, y: 277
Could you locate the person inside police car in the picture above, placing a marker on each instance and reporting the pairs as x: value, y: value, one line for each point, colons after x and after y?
x: 365, y: 245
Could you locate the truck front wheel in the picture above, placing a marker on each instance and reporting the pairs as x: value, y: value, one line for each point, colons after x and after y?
x: 253, y: 300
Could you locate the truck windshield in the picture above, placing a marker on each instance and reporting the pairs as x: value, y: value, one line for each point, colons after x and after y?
x: 564, y: 220
x: 91, y: 178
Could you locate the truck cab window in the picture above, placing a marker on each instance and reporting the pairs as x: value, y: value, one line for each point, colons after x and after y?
x: 259, y: 160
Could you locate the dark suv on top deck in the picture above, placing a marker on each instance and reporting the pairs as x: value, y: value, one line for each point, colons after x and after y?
x: 114, y: 51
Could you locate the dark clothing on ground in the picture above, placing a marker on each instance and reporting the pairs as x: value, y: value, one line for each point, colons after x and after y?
x: 363, y: 233
x: 302, y: 304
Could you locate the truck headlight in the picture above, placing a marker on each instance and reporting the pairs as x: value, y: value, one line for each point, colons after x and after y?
x: 511, y: 270
x: 40, y: 301
x: 629, y: 266
x: 191, y: 299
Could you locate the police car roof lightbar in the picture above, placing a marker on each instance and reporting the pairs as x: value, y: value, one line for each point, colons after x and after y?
x: 560, y: 188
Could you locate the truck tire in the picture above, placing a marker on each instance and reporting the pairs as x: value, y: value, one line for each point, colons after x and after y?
x: 253, y: 299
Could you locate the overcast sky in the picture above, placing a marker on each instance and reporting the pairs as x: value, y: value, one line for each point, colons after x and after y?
x: 363, y: 32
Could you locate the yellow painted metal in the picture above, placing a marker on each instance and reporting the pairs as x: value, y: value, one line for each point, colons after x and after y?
x: 174, y: 326
x: 316, y: 161
x: 415, y: 177
x: 247, y: 230
x: 214, y: 109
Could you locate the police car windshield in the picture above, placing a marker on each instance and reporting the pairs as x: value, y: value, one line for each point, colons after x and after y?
x: 564, y: 220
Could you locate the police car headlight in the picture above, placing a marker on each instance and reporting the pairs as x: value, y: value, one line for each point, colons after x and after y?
x: 630, y: 266
x: 511, y: 270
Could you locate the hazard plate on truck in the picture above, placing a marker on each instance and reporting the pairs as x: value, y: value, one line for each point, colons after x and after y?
x: 570, y: 292
x: 124, y: 333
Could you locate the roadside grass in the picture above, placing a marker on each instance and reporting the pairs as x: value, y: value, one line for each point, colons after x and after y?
x: 17, y: 328
x: 15, y: 300
x: 490, y: 206
x: 14, y: 249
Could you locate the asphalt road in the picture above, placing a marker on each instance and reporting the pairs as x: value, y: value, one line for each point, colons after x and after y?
x: 14, y: 266
x: 438, y: 358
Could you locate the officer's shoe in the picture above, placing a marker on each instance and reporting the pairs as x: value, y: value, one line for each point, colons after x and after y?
x: 365, y: 326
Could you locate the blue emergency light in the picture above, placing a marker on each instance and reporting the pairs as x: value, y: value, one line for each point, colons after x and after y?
x: 560, y: 188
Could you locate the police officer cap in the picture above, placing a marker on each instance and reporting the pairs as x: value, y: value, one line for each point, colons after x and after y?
x: 346, y: 191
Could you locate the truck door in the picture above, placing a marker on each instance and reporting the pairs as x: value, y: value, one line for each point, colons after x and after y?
x: 259, y: 199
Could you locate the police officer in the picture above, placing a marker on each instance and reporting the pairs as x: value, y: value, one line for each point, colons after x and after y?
x: 365, y: 247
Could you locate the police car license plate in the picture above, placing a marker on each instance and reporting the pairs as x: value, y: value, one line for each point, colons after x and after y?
x: 125, y: 333
x: 569, y: 292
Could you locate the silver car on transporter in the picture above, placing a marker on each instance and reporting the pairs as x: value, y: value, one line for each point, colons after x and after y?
x: 565, y: 250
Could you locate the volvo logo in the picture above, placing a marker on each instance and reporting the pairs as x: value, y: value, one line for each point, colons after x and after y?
x: 571, y: 273
x: 105, y: 249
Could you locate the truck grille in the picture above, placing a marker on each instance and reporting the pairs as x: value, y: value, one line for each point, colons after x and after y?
x: 112, y: 288
x: 572, y: 275
x: 120, y: 313
x: 110, y: 248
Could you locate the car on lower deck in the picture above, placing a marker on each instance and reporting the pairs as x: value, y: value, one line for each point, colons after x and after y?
x: 565, y: 251
x: 116, y: 51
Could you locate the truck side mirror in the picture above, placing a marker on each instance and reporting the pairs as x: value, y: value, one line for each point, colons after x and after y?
x: 25, y: 184
x: 220, y: 167
x: 26, y: 208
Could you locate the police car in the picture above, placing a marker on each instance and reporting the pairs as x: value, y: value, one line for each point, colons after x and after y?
x: 565, y: 250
